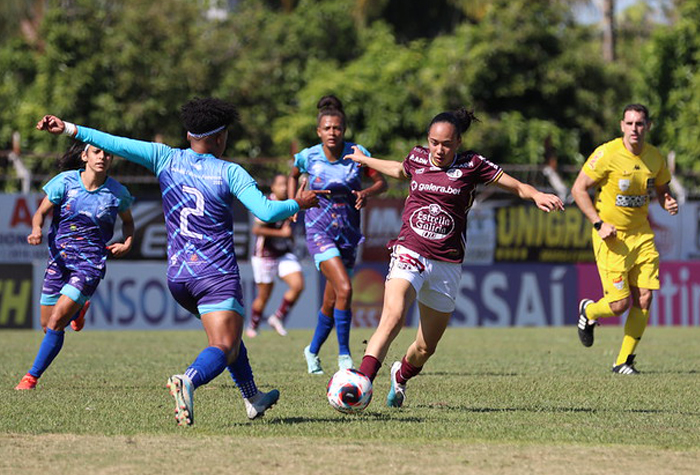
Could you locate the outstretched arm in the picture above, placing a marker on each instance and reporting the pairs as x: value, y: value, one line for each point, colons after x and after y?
x: 148, y: 154
x: 391, y: 168
x: 544, y: 201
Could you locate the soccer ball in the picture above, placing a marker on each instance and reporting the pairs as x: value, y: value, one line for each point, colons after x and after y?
x: 349, y: 391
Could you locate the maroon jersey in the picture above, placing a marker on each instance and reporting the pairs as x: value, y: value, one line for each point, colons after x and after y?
x: 434, y: 219
x: 268, y: 246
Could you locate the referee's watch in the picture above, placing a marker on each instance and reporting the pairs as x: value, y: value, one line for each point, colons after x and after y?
x: 598, y: 225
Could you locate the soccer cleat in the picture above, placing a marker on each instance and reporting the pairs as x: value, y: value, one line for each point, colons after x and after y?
x: 27, y: 382
x: 78, y: 321
x: 397, y: 392
x: 627, y: 367
x: 251, y: 332
x: 181, y: 389
x: 275, y: 322
x: 585, y: 326
x: 345, y: 362
x: 313, y: 362
x: 257, y: 405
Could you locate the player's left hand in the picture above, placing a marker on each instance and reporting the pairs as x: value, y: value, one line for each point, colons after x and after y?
x: 360, y: 198
x: 118, y: 249
x: 670, y: 204
x: 548, y: 202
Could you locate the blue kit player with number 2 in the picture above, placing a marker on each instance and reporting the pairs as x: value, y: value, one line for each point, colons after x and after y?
x: 198, y: 189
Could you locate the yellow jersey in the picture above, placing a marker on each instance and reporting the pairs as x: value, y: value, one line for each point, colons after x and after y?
x: 625, y: 182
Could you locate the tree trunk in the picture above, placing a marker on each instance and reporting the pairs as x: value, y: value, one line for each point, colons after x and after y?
x: 609, y: 30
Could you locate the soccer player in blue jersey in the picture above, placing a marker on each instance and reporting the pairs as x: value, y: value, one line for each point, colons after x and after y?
x: 198, y: 189
x: 85, y: 205
x: 333, y: 229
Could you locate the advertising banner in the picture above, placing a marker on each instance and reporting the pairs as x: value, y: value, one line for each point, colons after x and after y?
x: 16, y: 302
x: 135, y: 296
x: 524, y: 233
x: 16, y: 213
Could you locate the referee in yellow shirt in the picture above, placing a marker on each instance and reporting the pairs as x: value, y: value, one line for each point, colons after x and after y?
x: 624, y: 172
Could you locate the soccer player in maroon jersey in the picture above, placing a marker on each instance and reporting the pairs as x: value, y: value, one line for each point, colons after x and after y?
x: 426, y: 260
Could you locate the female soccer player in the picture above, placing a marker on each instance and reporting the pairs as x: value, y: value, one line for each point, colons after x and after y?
x: 198, y: 191
x: 273, y: 255
x: 333, y: 229
x: 85, y: 204
x: 426, y: 260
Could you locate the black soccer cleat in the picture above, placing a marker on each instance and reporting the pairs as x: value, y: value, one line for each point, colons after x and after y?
x: 585, y: 326
x: 627, y: 367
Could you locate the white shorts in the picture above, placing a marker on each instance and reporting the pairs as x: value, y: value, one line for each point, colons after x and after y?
x: 436, y: 282
x: 265, y: 268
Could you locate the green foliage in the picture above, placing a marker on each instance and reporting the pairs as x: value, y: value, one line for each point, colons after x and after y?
x: 671, y: 86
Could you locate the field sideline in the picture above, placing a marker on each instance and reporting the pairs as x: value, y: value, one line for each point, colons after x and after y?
x: 491, y: 401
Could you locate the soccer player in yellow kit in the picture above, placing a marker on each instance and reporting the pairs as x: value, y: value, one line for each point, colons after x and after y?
x: 624, y: 172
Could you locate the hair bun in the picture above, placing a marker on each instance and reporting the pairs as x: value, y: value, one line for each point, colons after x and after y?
x: 329, y: 102
x: 464, y: 117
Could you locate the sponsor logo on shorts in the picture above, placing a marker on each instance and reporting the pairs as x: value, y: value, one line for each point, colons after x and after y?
x: 409, y: 263
x: 619, y: 283
x: 432, y: 222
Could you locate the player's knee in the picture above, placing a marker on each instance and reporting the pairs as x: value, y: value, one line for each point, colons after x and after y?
x: 343, y: 291
x: 620, y: 306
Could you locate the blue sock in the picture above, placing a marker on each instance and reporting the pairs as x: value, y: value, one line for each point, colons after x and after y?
x: 324, y: 325
x: 208, y: 365
x: 242, y: 373
x: 343, y: 319
x: 50, y: 347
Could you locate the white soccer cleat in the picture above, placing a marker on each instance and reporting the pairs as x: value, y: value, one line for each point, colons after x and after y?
x: 397, y: 392
x: 313, y: 362
x: 345, y: 362
x: 251, y: 332
x: 257, y: 405
x: 275, y: 322
x: 181, y: 390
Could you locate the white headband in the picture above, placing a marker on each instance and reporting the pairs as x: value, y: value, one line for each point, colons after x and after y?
x: 206, y: 134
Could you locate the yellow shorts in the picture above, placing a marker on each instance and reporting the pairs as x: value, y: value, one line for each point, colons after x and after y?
x: 628, y: 260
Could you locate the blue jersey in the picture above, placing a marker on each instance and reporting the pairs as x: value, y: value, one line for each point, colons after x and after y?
x: 83, y: 221
x: 336, y: 215
x: 198, y: 192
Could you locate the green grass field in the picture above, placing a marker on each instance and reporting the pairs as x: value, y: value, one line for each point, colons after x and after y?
x: 491, y: 401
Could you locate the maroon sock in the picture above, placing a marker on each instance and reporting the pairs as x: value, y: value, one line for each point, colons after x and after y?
x: 407, y: 371
x: 283, y: 309
x: 255, y: 318
x: 370, y: 366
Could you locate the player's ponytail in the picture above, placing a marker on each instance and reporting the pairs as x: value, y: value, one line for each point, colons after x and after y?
x: 72, y: 160
x: 461, y: 119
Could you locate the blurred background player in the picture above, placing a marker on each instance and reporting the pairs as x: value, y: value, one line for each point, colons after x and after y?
x: 426, y: 258
x: 624, y: 172
x: 85, y: 204
x: 273, y: 256
x: 198, y: 189
x: 333, y: 229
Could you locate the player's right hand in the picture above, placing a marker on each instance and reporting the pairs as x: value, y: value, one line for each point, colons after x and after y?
x: 35, y: 237
x: 607, y: 230
x: 51, y: 124
x: 308, y: 198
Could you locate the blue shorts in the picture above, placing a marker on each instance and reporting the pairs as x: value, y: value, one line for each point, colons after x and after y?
x: 77, y: 284
x: 211, y: 294
x: 323, y: 247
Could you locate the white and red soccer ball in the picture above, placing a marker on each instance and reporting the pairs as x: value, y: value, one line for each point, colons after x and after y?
x: 349, y: 391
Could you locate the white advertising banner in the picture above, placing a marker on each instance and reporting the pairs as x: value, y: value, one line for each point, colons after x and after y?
x: 16, y: 213
x: 135, y: 296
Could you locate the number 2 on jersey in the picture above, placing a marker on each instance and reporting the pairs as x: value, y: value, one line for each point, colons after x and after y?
x: 198, y: 210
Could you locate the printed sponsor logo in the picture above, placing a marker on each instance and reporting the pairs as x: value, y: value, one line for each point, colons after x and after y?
x: 619, y: 283
x: 630, y: 201
x: 418, y: 159
x: 420, y: 171
x: 432, y: 187
x: 432, y: 222
x: 594, y: 160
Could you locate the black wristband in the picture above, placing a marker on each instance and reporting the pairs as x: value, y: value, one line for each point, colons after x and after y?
x: 598, y: 225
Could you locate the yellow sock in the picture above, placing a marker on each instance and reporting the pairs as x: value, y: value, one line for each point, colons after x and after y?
x: 634, y: 329
x: 599, y: 309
